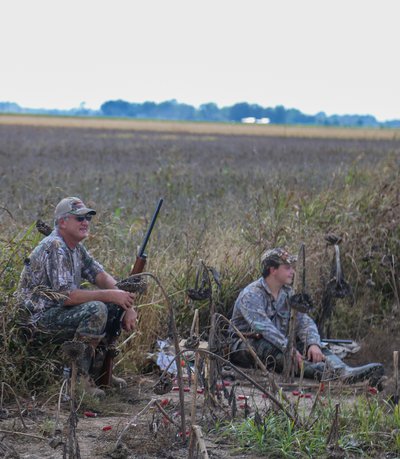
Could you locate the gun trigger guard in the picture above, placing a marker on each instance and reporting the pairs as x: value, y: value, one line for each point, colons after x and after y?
x: 112, y: 351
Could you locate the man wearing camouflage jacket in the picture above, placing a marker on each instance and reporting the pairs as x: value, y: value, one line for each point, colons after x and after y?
x: 262, y: 313
x: 50, y: 290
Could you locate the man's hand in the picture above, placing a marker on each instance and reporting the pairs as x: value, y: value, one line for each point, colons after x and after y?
x: 314, y: 354
x: 121, y: 298
x: 129, y: 320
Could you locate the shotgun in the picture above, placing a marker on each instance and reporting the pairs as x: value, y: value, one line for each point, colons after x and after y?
x: 336, y: 341
x: 254, y: 335
x: 113, y: 329
x: 141, y: 258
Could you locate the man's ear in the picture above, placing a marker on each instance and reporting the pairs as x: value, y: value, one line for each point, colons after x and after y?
x: 61, y: 222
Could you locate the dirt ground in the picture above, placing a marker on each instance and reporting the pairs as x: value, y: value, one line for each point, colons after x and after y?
x: 116, y: 420
x: 149, y: 436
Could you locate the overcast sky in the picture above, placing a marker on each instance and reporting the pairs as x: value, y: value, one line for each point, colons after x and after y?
x: 338, y: 56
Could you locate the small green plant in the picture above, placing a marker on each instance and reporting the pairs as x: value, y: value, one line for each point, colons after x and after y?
x: 367, y: 428
x: 47, y: 426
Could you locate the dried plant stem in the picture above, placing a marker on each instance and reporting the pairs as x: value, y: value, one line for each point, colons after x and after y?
x: 302, y: 366
x: 395, y: 290
x: 133, y: 421
x: 195, y: 328
x: 212, y: 373
x: 64, y: 383
x: 164, y: 413
x: 197, y: 439
x: 317, y: 397
x: 176, y: 345
x: 16, y: 400
x: 126, y: 341
x: 333, y: 437
x: 11, y: 432
x: 396, y: 375
x: 241, y: 373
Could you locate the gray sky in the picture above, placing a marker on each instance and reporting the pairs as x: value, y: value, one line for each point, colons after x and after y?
x: 338, y: 56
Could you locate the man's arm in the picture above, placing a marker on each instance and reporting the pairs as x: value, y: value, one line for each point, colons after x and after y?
x: 106, y: 281
x: 307, y: 332
x: 107, y: 293
x: 123, y: 299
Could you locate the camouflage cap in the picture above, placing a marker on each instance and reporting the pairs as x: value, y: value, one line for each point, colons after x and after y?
x: 278, y: 255
x: 72, y: 205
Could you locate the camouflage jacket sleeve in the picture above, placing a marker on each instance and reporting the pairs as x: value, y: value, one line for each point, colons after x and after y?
x: 253, y: 309
x: 306, y: 330
x: 90, y: 267
x: 58, y: 269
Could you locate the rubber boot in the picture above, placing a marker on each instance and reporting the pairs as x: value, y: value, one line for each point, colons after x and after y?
x: 85, y: 364
x: 337, y: 369
x: 118, y: 382
x: 89, y: 386
x: 313, y: 370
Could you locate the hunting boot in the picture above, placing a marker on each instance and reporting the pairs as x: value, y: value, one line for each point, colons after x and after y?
x: 118, y: 382
x: 98, y: 366
x: 85, y: 364
x: 337, y: 369
x: 313, y: 370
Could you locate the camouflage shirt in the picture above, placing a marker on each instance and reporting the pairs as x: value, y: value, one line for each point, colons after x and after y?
x: 51, y: 272
x: 256, y: 310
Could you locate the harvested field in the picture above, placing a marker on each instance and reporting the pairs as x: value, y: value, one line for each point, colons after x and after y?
x: 203, y: 128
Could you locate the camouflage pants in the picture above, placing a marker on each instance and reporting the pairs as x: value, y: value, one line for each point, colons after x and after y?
x: 95, y: 318
x: 267, y: 352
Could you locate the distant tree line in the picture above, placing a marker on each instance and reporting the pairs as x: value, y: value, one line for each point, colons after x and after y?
x: 13, y: 108
x: 173, y: 110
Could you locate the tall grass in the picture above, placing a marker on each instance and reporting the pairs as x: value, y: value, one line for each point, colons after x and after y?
x: 226, y: 200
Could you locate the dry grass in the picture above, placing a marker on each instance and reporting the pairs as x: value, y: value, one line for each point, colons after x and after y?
x: 227, y: 198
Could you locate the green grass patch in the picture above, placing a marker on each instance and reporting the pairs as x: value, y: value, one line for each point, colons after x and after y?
x: 366, y: 428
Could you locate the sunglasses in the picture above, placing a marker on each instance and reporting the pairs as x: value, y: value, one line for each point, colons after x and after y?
x: 81, y: 218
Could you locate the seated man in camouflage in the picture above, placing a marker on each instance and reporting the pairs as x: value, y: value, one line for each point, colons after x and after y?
x: 50, y: 290
x: 262, y: 313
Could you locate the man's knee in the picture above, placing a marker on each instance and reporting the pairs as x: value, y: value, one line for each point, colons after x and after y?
x: 94, y: 319
x: 98, y: 307
x: 270, y: 355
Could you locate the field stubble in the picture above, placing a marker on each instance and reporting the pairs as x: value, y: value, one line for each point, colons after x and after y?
x: 205, y: 128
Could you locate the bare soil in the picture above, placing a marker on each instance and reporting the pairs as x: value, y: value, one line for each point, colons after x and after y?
x: 150, y: 435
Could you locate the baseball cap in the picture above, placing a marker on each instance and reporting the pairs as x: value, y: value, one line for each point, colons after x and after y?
x: 72, y: 205
x: 278, y: 255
